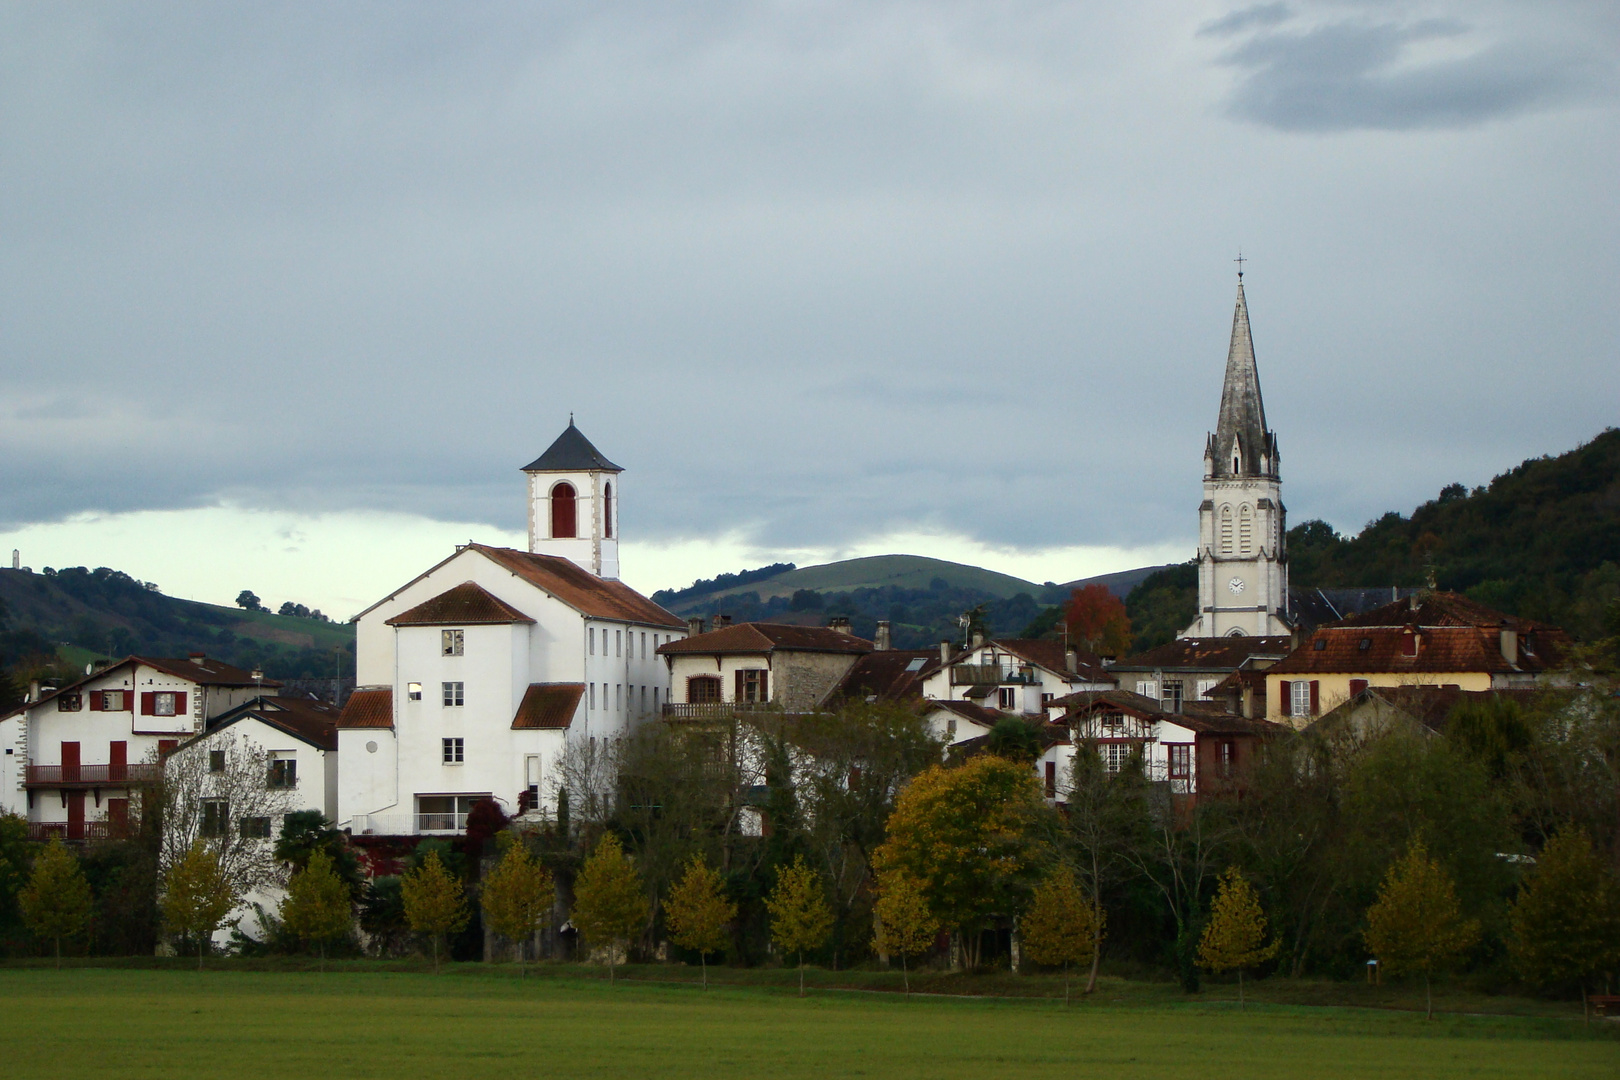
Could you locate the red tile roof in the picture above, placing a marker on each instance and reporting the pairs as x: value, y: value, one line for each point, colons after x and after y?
x: 978, y: 714
x: 598, y: 598
x: 548, y: 706
x: 202, y: 671
x: 369, y: 707
x: 1213, y: 654
x: 884, y: 675
x: 468, y: 604
x: 1050, y: 655
x: 1352, y: 650
x: 759, y: 637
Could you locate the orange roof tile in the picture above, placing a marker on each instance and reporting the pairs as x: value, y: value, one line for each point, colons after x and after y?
x: 468, y: 604
x: 369, y: 707
x: 598, y: 598
x: 548, y: 706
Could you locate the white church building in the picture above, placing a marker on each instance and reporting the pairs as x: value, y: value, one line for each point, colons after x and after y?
x: 476, y: 675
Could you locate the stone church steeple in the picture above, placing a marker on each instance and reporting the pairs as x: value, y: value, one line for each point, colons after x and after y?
x: 1242, y: 556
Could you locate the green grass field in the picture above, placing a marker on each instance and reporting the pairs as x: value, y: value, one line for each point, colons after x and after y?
x: 484, y: 1023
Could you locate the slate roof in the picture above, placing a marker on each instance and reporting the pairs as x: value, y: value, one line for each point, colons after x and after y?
x: 1243, y: 415
x: 369, y: 707
x: 762, y: 637
x: 314, y: 722
x: 599, y: 598
x: 1209, y: 653
x: 548, y: 706
x: 571, y: 452
x: 468, y: 604
x: 883, y: 675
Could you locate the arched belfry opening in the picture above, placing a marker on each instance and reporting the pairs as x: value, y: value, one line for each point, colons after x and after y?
x: 564, y: 512
x: 573, y: 504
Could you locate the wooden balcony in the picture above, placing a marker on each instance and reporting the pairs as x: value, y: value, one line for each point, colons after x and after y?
x: 989, y: 675
x: 89, y: 776
x: 76, y: 832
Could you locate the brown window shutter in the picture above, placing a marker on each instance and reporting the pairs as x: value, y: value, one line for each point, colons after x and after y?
x: 95, y: 701
x: 1285, y: 690
x: 1316, y: 697
x: 764, y: 685
x: 180, y: 703
x: 741, y: 684
x: 1357, y: 686
x: 148, y: 703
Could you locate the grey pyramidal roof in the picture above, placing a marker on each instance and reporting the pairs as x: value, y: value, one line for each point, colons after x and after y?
x: 1243, y: 414
x: 572, y: 452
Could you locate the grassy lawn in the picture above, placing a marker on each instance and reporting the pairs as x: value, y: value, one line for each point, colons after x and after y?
x: 399, y: 1024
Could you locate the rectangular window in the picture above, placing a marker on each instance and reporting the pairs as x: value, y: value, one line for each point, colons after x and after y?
x: 453, y: 642
x: 591, y: 637
x: 617, y: 695
x: 644, y: 644
x: 1115, y: 755
x: 1051, y: 779
x: 655, y: 699
x: 69, y: 703
x: 255, y: 828
x: 1147, y: 689
x: 1007, y: 698
x: 1299, y: 695
x: 163, y: 703
x: 593, y: 695
x: 452, y: 751
x: 413, y: 691
x: 283, y: 770
x: 444, y: 813
x: 1180, y: 761
x: 216, y: 761
x: 753, y: 685
x: 113, y: 701
x: 950, y: 729
x: 703, y: 689
x: 644, y: 700
x: 1170, y: 695
x: 216, y: 817
x: 618, y: 643
x: 1224, y: 754
x: 454, y: 694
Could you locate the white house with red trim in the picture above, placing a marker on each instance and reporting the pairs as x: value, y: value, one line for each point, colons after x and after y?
x: 74, y: 754
x: 475, y: 676
x: 1014, y: 675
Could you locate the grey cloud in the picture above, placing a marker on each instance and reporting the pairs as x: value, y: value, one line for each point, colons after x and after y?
x: 1359, y: 74
x: 1246, y: 19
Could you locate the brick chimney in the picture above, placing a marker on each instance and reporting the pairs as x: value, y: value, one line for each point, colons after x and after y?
x: 882, y: 638
x: 694, y: 625
x: 840, y: 624
x: 1510, y: 644
x: 720, y: 622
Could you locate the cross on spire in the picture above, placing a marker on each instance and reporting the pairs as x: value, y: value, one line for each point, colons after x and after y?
x: 1240, y: 260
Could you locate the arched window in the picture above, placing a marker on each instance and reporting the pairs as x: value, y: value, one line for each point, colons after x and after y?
x: 1234, y: 632
x: 1226, y: 529
x: 1246, y: 529
x: 703, y: 690
x: 607, y: 511
x: 1237, y: 456
x: 563, y: 516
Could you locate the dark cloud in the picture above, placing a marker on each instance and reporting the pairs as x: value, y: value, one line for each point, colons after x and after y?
x: 1359, y: 73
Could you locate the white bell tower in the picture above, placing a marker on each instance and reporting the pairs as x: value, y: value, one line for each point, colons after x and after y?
x: 574, y: 504
x: 1242, y: 524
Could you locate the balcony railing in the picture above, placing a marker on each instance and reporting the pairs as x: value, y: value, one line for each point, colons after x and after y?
x: 989, y: 675
x: 91, y: 775
x: 712, y: 710
x: 76, y: 831
x: 407, y: 824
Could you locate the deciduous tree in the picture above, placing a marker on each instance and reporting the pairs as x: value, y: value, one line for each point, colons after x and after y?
x: 435, y: 904
x: 903, y: 925
x: 1059, y: 926
x: 1416, y: 924
x: 1097, y: 621
x: 56, y: 903
x: 317, y: 908
x: 698, y: 912
x: 518, y: 895
x: 1235, y: 933
x: 197, y: 895
x: 610, y: 905
x: 800, y: 916
x: 1566, y: 920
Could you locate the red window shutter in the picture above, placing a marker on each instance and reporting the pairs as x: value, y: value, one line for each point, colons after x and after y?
x: 764, y: 685
x: 1286, y: 692
x: 1357, y: 686
x: 180, y: 703
x: 1316, y: 697
x: 1051, y: 779
x: 167, y: 745
x: 96, y: 701
x: 742, y: 683
x: 148, y: 703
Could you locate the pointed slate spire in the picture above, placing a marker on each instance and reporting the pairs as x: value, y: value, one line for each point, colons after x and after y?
x: 572, y: 452
x: 1241, y: 435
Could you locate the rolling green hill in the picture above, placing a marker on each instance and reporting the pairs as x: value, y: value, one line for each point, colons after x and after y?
x: 872, y: 572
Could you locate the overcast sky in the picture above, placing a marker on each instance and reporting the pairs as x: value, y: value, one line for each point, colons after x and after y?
x: 318, y: 279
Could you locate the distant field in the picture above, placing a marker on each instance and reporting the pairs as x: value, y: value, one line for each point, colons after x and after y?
x: 481, y: 1022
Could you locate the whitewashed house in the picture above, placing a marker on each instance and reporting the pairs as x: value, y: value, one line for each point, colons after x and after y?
x: 1014, y: 675
x: 75, y: 754
x: 474, y: 676
x: 793, y: 668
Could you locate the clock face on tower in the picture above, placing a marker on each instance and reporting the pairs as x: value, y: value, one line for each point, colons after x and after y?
x: 1236, y: 585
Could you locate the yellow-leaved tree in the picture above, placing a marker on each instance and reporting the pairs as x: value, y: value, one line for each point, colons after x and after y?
x: 197, y: 895
x: 56, y: 902
x: 698, y: 912
x: 317, y: 909
x: 434, y: 902
x: 518, y: 895
x: 801, y: 918
x: 1059, y: 926
x: 610, y: 904
x: 1235, y: 935
x: 902, y: 923
x: 1416, y: 924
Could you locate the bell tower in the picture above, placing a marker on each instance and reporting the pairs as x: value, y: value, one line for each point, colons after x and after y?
x: 1242, y: 524
x: 574, y: 504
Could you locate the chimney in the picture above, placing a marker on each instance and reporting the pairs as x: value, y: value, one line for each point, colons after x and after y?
x: 720, y: 622
x: 978, y: 638
x: 694, y: 625
x: 882, y: 638
x: 1510, y: 644
x: 840, y: 624
x: 1071, y: 661
x: 945, y: 650
x: 33, y: 695
x: 196, y: 657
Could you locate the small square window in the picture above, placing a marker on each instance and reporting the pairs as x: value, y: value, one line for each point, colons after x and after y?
x: 453, y: 642
x: 413, y: 691
x: 163, y: 703
x: 69, y: 703
x: 216, y: 817
x: 216, y: 761
x: 453, y: 750
x: 283, y: 772
x: 454, y: 694
x: 1007, y: 698
x: 1319, y: 644
x: 255, y: 828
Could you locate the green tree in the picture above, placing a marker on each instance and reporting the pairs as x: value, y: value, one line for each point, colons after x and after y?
x: 197, y: 895
x: 518, y: 895
x: 249, y: 602
x: 1235, y: 933
x: 610, y: 905
x: 1416, y: 925
x: 800, y: 916
x: 904, y: 925
x: 14, y: 856
x: 698, y: 912
x: 1566, y: 920
x: 1058, y: 927
x: 317, y: 907
x: 56, y: 903
x: 434, y: 902
x: 303, y: 832
x: 974, y: 838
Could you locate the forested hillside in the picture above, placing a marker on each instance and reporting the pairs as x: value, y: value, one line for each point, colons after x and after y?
x: 52, y: 623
